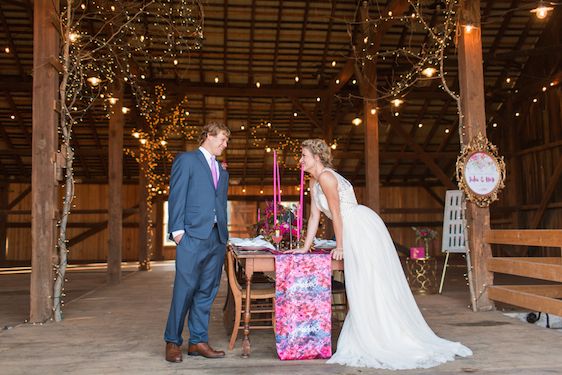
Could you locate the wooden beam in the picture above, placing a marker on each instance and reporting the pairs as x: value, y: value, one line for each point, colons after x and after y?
x: 115, y: 184
x: 159, y: 229
x: 297, y: 103
x: 543, y: 268
x: 144, y: 222
x: 19, y: 198
x: 248, y: 90
x: 471, y: 80
x: 547, y: 195
x: 424, y: 156
x: 546, y: 290
x: 3, y: 220
x: 516, y: 297
x: 537, y: 237
x: 99, y: 227
x: 44, y: 147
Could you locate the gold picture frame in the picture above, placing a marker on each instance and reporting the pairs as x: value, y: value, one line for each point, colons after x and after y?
x: 480, y: 171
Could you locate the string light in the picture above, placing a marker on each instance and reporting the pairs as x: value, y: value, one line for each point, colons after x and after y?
x: 7, y: 49
x: 93, y: 60
x: 357, y: 121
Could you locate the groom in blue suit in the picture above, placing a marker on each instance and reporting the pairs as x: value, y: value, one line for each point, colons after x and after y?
x: 197, y: 224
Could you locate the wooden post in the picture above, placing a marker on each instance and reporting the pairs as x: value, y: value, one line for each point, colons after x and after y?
x: 4, y: 187
x: 514, y: 193
x: 159, y: 229
x: 372, y: 173
x: 368, y: 87
x: 115, y: 184
x: 471, y: 78
x: 43, y: 156
x: 143, y: 223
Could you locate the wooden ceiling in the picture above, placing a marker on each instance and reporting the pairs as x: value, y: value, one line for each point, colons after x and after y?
x: 272, y: 42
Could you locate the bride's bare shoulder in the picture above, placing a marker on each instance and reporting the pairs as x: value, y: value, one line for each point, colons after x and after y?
x: 327, y: 179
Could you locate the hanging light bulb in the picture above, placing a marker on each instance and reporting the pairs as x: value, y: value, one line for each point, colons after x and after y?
x: 541, y: 11
x: 468, y: 28
x: 94, y: 81
x: 429, y: 71
x: 397, y: 102
x: 73, y: 37
x: 136, y: 134
x: 112, y: 100
x: 357, y: 121
x: 125, y: 110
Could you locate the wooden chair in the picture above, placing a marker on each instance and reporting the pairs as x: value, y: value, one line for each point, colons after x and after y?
x: 258, y: 306
x: 339, y: 300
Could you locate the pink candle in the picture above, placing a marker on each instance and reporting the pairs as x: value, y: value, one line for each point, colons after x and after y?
x: 258, y: 214
x: 279, y: 182
x: 274, y: 187
x: 300, y: 221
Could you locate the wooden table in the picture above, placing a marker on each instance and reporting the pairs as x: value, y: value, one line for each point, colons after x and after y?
x: 259, y: 261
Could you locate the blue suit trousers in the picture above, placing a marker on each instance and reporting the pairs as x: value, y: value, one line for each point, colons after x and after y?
x: 199, y: 265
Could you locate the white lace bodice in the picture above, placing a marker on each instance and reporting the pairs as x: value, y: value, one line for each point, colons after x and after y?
x: 346, y: 193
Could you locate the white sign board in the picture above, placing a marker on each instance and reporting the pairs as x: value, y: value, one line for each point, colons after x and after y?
x: 453, y: 226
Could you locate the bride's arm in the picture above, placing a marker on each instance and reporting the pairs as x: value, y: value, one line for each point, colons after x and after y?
x: 329, y: 184
x: 313, y: 221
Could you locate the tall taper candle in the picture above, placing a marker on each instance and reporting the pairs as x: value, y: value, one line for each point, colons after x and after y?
x: 278, y: 182
x: 274, y: 187
x: 300, y: 221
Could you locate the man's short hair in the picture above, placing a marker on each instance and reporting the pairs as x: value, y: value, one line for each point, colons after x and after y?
x: 213, y: 128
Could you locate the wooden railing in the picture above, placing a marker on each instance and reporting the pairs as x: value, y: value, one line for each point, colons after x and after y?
x: 544, y: 298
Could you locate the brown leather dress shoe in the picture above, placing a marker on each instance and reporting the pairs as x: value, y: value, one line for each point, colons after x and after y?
x: 203, y: 349
x: 173, y: 353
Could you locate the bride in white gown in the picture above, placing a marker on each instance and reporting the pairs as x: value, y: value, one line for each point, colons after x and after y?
x: 384, y: 327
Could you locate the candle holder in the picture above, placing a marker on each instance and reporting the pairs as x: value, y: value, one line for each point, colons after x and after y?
x: 277, y: 239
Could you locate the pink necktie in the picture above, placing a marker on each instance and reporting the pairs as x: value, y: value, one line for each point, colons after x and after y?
x: 214, y: 171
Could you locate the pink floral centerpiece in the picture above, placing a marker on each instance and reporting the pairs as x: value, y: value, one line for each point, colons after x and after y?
x: 286, y: 224
x: 425, y: 234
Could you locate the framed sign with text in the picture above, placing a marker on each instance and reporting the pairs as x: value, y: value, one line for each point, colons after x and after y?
x: 480, y: 171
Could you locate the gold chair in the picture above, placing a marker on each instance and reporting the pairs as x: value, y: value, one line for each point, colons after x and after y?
x: 258, y: 304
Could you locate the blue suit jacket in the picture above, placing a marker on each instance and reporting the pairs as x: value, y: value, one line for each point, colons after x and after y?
x: 193, y: 202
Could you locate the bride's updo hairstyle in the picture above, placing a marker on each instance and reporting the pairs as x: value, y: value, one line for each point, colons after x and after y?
x: 320, y: 148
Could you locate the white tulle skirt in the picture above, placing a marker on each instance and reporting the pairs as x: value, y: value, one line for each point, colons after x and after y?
x: 384, y: 327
